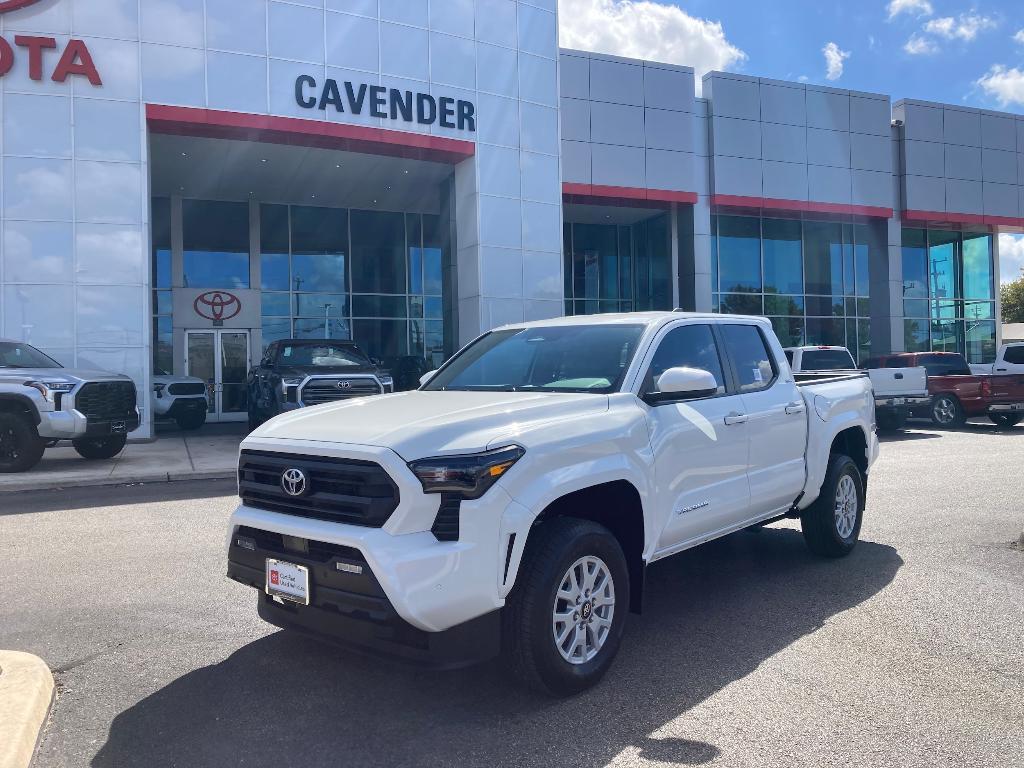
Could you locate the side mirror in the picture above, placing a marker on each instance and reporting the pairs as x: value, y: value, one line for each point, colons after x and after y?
x: 427, y: 377
x: 683, y: 383
x: 377, y: 361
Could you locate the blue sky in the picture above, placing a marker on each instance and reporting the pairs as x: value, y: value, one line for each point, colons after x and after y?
x: 951, y: 51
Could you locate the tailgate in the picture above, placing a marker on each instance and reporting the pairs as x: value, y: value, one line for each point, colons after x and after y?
x: 1006, y: 388
x: 893, y: 382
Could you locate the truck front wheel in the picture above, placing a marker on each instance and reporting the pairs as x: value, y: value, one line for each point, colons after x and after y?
x: 831, y: 525
x: 99, y: 448
x: 563, y: 621
x: 20, y: 446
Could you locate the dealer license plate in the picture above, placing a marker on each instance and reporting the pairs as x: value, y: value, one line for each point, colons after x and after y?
x: 1017, y: 407
x: 118, y: 428
x: 288, y: 581
x: 899, y: 401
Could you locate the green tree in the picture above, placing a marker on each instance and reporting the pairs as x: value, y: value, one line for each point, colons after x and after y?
x: 1012, y: 295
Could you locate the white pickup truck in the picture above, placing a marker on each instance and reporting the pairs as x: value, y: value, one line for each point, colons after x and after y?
x: 1009, y: 359
x: 897, y: 390
x: 513, y: 502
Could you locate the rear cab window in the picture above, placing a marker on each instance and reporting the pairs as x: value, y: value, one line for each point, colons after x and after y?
x: 827, y: 360
x: 754, y: 364
x: 944, y: 365
x: 1014, y: 355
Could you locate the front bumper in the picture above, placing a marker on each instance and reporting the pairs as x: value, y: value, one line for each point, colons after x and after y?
x: 350, y: 608
x: 71, y: 424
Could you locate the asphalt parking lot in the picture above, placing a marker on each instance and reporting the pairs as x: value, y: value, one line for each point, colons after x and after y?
x: 750, y: 652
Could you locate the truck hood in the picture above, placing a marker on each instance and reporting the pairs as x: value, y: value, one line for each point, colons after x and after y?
x: 419, y: 424
x: 298, y: 371
x: 57, y: 375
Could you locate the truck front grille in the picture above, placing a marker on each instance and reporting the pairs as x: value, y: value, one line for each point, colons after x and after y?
x: 317, y: 391
x: 187, y: 388
x: 340, y: 490
x: 106, y: 400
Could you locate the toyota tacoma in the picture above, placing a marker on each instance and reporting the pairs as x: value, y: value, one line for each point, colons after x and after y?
x: 513, y: 502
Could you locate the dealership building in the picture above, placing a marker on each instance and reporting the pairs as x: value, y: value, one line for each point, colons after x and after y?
x: 185, y: 181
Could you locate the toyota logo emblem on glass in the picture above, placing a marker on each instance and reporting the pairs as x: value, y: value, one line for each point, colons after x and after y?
x: 293, y: 482
x: 217, y: 305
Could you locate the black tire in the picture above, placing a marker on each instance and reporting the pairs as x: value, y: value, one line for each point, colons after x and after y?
x: 20, y: 445
x: 947, y: 412
x: 821, y: 522
x: 1005, y: 420
x: 891, y: 421
x: 100, y: 448
x: 191, y: 420
x: 528, y: 629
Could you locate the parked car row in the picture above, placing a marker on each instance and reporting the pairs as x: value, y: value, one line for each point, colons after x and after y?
x: 940, y: 386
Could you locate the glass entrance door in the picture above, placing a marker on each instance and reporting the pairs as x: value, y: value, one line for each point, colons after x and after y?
x: 221, y: 359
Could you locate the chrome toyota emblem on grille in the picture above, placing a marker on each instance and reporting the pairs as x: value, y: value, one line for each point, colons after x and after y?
x: 344, y: 385
x: 293, y: 482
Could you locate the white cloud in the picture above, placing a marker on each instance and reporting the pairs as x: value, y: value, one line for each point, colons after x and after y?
x: 1005, y: 84
x: 1019, y: 37
x: 646, y: 30
x: 1011, y: 257
x: 965, y: 27
x: 834, y: 58
x: 916, y: 7
x: 918, y: 46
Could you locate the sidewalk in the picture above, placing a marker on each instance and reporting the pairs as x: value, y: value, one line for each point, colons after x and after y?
x: 206, y: 454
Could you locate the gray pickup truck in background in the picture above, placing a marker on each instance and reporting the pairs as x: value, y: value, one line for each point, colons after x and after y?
x: 41, y: 403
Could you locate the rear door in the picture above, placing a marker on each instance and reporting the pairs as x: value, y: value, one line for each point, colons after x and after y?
x: 1012, y: 360
x: 776, y: 418
x: 700, y: 446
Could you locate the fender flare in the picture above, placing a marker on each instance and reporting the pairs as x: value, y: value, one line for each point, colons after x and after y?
x: 25, y: 402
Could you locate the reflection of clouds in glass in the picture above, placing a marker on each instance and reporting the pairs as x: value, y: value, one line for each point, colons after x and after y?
x: 109, y: 315
x: 117, y: 18
x: 109, y: 253
x: 39, y: 314
x: 216, y: 269
x: 42, y: 191
x: 170, y: 21
x: 37, y: 252
x: 108, y: 191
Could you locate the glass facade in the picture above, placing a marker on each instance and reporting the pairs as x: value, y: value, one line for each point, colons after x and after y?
x: 372, y: 276
x: 949, y: 293
x: 811, y: 278
x: 617, y: 268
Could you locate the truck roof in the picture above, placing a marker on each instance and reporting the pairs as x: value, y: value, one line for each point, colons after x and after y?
x: 625, y: 318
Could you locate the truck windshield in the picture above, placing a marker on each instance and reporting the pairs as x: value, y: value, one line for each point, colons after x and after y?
x: 326, y: 355
x: 826, y: 360
x: 16, y: 355
x: 570, y: 358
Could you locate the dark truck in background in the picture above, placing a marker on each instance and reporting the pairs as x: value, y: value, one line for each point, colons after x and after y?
x: 295, y: 373
x: 958, y: 394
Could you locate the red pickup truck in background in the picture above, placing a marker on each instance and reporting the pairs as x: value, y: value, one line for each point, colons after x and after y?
x: 958, y: 394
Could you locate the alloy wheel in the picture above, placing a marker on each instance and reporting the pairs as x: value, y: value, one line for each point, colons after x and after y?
x: 846, y: 507
x: 944, y: 410
x: 581, y: 619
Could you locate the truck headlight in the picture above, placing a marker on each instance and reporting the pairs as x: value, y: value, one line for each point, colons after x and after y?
x: 50, y: 390
x: 388, y: 383
x: 469, y: 475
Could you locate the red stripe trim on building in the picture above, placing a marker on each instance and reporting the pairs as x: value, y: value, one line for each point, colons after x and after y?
x: 603, y: 194
x: 806, y: 206
x: 940, y: 217
x: 217, y: 124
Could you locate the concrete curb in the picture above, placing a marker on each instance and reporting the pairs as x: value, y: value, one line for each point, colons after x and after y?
x: 26, y: 693
x: 52, y: 484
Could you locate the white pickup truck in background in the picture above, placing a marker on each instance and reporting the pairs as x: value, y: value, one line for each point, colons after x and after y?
x: 897, y: 390
x: 1009, y: 359
x: 514, y: 501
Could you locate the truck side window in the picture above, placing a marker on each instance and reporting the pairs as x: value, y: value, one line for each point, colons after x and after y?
x: 755, y: 367
x: 688, y: 346
x: 1014, y: 355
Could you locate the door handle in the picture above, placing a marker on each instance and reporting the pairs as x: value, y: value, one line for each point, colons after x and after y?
x: 793, y: 408
x: 736, y: 418
x: 1001, y: 369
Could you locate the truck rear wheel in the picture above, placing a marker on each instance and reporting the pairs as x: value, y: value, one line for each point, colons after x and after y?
x: 831, y: 525
x: 1005, y: 419
x: 947, y: 412
x: 99, y: 448
x: 563, y: 621
x: 20, y: 445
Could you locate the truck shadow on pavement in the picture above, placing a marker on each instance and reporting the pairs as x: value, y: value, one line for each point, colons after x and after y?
x: 711, y: 617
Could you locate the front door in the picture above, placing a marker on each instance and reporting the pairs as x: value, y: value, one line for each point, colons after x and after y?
x: 221, y: 359
x: 700, y: 445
